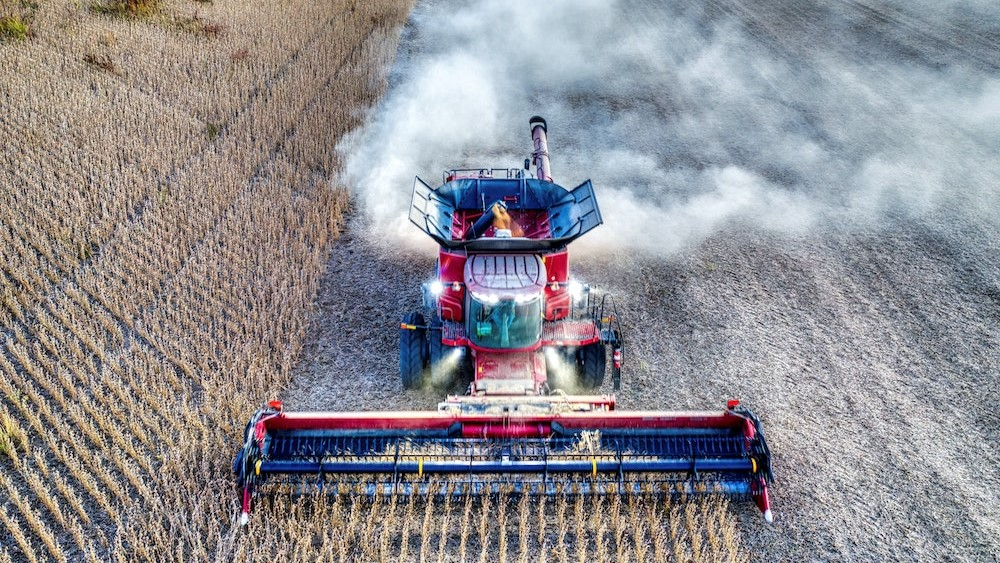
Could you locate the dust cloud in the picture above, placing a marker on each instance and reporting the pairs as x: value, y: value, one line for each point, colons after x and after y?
x: 785, y: 119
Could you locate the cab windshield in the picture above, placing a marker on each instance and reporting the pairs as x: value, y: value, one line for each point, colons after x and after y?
x: 506, y: 323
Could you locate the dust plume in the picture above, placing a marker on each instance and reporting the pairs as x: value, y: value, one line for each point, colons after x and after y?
x: 692, y: 118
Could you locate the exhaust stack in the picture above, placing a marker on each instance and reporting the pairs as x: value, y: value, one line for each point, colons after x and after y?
x: 540, y: 156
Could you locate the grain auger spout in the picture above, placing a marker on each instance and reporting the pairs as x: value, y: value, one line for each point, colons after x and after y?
x: 534, y: 344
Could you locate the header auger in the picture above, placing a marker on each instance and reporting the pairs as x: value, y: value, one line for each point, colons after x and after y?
x: 503, y: 312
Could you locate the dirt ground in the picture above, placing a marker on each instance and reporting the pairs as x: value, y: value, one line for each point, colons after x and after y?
x: 869, y: 357
x: 870, y: 350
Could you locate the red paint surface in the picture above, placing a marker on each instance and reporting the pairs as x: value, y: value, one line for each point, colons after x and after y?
x: 433, y: 420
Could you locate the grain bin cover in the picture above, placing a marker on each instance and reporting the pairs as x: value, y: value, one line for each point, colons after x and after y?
x: 505, y: 275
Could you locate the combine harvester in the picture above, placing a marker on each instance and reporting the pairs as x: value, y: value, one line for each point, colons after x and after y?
x: 502, y: 305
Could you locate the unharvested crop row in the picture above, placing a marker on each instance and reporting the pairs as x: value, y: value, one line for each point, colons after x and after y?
x: 246, y: 42
x: 81, y: 247
x: 57, y: 331
x: 130, y: 363
x: 55, y: 167
x: 64, y: 376
x: 58, y: 422
x: 104, y: 197
x: 29, y: 275
x: 496, y: 528
x: 173, y: 219
x: 79, y: 470
x: 220, y: 261
x: 232, y: 273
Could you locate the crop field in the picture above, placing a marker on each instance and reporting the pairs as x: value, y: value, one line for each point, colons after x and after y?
x: 189, y: 227
x: 164, y: 216
x: 500, y: 527
x: 801, y: 211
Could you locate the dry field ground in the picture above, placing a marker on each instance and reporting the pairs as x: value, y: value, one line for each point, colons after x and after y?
x: 169, y: 262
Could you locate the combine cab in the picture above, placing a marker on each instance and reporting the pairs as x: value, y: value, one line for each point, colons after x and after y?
x: 502, y: 301
x: 503, y: 312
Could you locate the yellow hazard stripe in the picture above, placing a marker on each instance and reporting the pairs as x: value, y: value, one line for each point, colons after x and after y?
x: 256, y: 467
x: 753, y: 465
x: 405, y: 326
x: 420, y: 467
x: 593, y: 463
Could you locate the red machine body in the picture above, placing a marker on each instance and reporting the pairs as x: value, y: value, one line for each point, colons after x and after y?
x: 502, y: 299
x: 503, y: 312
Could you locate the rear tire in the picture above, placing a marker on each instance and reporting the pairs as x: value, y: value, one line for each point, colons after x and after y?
x: 595, y: 359
x: 412, y: 352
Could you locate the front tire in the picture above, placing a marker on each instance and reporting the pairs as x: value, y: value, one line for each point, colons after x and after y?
x: 594, y: 358
x: 412, y: 352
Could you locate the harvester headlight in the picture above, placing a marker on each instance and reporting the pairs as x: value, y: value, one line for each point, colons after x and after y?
x: 576, y: 290
x: 493, y: 299
x: 437, y: 287
x: 524, y: 298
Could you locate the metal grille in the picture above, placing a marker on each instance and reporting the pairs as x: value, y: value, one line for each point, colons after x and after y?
x: 315, y: 446
x: 571, y: 331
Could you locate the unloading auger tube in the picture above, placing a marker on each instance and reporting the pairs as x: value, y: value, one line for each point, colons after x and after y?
x: 677, y: 454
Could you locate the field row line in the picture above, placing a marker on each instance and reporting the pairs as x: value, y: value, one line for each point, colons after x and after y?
x: 82, y: 416
x: 19, y: 396
x: 505, y: 527
x: 246, y: 115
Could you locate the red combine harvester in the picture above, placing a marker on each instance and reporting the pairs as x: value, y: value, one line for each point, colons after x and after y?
x: 503, y: 306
